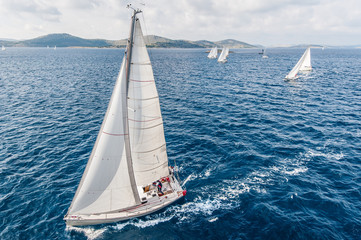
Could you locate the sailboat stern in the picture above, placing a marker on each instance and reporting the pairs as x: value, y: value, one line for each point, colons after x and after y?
x: 153, y: 198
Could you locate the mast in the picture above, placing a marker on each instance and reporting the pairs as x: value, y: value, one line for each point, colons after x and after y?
x: 126, y: 123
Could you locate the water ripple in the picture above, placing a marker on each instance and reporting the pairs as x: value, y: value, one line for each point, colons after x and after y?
x: 261, y: 158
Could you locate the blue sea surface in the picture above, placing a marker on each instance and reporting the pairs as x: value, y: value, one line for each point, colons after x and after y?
x: 261, y: 157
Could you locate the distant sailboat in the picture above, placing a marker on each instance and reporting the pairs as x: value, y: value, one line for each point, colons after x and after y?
x: 47, y: 46
x: 264, y: 54
x: 304, y: 64
x: 224, y: 54
x: 55, y: 47
x: 213, y: 53
x: 127, y: 174
x: 3, y: 48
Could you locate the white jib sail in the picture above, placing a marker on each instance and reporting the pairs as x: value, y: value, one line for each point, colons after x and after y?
x: 147, y: 141
x: 223, y: 55
x: 213, y: 53
x: 304, y: 64
x: 105, y: 185
x: 227, y: 52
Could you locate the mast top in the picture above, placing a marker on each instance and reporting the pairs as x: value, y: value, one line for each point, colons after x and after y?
x: 136, y: 11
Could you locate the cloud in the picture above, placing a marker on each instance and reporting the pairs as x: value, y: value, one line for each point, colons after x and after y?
x: 36, y: 8
x: 254, y: 21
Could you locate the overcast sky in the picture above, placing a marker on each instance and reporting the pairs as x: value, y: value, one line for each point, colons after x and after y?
x: 266, y: 22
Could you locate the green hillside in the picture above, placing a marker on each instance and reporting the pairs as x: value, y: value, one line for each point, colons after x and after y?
x: 67, y: 40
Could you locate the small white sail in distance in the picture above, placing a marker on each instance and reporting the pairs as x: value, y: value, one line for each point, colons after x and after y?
x: 213, y: 53
x: 130, y: 151
x: 264, y: 54
x: 224, y: 54
x: 304, y: 64
x: 3, y: 48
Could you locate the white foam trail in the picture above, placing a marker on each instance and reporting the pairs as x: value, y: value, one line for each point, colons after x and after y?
x: 187, y: 179
x: 143, y: 224
x: 193, y: 176
x: 90, y: 233
x: 213, y: 219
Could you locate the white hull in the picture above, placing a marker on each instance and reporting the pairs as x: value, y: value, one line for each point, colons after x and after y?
x: 154, y: 203
x: 137, y: 211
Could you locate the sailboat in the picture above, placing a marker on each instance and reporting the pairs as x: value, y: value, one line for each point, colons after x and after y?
x: 55, y: 47
x: 3, y: 48
x: 264, y: 54
x: 224, y: 54
x: 127, y: 174
x: 213, y: 53
x: 304, y: 64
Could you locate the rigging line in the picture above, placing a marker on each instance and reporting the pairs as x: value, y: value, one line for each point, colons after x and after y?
x: 146, y: 34
x: 150, y: 54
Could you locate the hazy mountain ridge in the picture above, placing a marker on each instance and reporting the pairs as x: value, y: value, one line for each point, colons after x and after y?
x: 153, y: 41
x: 67, y: 40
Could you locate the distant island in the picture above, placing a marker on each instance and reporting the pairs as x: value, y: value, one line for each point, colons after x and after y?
x: 67, y: 40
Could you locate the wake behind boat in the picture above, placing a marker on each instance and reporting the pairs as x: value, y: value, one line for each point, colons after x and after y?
x: 304, y: 64
x: 127, y: 174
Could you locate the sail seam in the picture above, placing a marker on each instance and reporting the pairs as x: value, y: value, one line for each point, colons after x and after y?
x: 151, y: 126
x: 132, y: 80
x: 149, y: 169
x: 143, y: 99
x: 115, y: 134
x: 140, y: 63
x: 152, y: 149
x: 133, y: 120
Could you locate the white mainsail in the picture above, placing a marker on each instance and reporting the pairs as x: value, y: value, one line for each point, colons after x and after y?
x: 224, y: 54
x: 304, y: 64
x: 213, y: 53
x: 130, y: 151
x: 2, y: 48
x: 147, y: 140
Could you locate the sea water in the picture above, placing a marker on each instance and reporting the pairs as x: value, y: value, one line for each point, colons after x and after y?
x: 261, y: 157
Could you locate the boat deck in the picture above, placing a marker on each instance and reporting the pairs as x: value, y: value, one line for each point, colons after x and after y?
x: 152, y: 200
